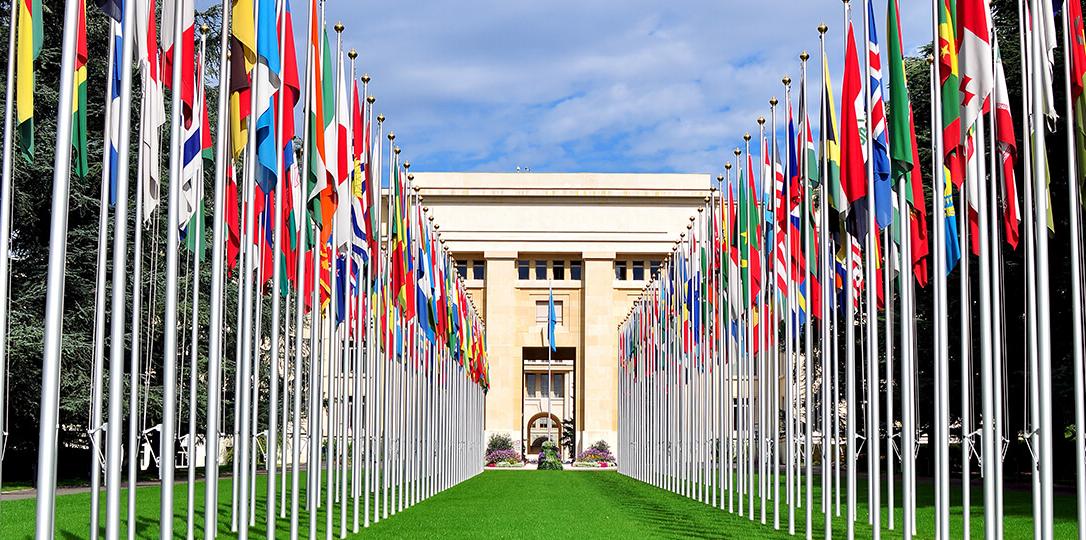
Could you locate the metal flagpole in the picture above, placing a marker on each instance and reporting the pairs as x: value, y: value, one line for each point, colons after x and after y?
x: 277, y: 278
x: 218, y: 237
x: 762, y: 340
x: 120, y: 275
x: 7, y: 191
x: 942, y: 372
x: 808, y: 404
x: 1074, y: 175
x: 871, y: 325
x: 54, y: 296
x: 100, y: 293
x: 1044, y: 343
x: 824, y: 258
x: 302, y: 225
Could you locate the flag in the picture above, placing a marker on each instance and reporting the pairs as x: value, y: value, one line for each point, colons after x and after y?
x: 904, y: 154
x: 853, y: 113
x: 551, y: 320
x: 27, y: 51
x: 242, y: 60
x: 187, y: 52
x: 359, y: 237
x: 1078, y: 96
x: 267, y: 83
x: 1006, y: 144
x: 974, y: 58
x: 152, y: 106
x: 343, y: 159
x: 317, y: 177
x: 233, y: 224
x: 953, y: 152
x: 880, y: 154
x: 192, y: 165
x: 113, y: 113
x: 79, y: 105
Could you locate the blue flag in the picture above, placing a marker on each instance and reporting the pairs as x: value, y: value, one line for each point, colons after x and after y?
x: 550, y: 320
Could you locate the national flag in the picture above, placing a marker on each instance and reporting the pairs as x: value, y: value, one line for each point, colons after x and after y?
x: 79, y: 105
x: 853, y: 113
x: 343, y: 158
x: 974, y: 58
x: 152, y: 106
x: 187, y: 50
x: 953, y: 151
x: 267, y: 83
x: 192, y: 164
x: 880, y: 154
x: 242, y: 60
x: 113, y: 112
x: 27, y: 51
x: 904, y: 155
x: 1077, y: 52
x: 359, y: 236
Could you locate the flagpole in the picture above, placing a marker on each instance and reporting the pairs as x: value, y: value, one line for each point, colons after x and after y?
x: 808, y: 323
x: 196, y: 227
x: 302, y: 226
x: 1044, y: 343
x: 54, y: 297
x: 824, y: 260
x: 5, y: 240
x: 100, y: 292
x: 1074, y: 175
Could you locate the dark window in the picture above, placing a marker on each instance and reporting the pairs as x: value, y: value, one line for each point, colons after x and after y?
x: 522, y: 269
x: 654, y: 268
x: 462, y: 269
x: 620, y: 270
x: 478, y: 269
x: 541, y: 270
x: 638, y: 270
x: 558, y: 268
x: 575, y: 270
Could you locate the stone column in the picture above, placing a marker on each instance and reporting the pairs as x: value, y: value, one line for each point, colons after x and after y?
x: 599, y: 371
x: 504, y: 400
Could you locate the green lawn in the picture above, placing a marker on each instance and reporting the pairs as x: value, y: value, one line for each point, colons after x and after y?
x: 539, y: 504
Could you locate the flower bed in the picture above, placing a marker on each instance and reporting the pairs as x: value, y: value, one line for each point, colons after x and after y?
x: 595, y: 455
x: 593, y: 464
x: 504, y: 458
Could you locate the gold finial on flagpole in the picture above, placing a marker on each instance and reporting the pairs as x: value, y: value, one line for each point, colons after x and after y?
x: 352, y: 54
x: 396, y: 150
x: 787, y: 80
x: 822, y: 28
x: 773, y: 101
x: 761, y: 121
x: 338, y: 27
x: 728, y: 166
x: 931, y: 59
x: 407, y: 165
x: 204, y: 29
x: 804, y: 56
x: 366, y: 78
x: 391, y: 134
x: 370, y: 99
x: 380, y: 117
x: 746, y: 137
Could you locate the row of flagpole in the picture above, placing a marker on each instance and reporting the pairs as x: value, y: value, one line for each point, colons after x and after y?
x: 782, y: 263
x: 381, y: 374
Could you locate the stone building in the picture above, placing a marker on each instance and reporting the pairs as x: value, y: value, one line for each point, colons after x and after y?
x: 593, y: 240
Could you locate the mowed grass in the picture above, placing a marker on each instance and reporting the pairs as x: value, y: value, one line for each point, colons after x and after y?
x: 545, y: 504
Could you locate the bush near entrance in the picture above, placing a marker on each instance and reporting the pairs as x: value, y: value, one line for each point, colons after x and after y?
x: 549, y: 460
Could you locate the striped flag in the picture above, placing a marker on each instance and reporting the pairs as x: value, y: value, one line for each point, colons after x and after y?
x: 267, y: 83
x: 113, y: 113
x: 28, y: 49
x: 152, y: 106
x: 79, y: 105
x: 880, y: 154
x: 359, y: 233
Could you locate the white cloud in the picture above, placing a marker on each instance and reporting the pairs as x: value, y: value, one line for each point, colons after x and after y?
x: 599, y: 85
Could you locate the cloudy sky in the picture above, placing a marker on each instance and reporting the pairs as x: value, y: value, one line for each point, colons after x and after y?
x: 585, y: 85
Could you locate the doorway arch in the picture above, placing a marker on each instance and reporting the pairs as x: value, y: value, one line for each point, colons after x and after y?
x: 537, y: 435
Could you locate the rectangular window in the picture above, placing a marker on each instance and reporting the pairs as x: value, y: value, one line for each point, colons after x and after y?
x: 620, y: 270
x: 546, y: 387
x: 541, y: 312
x: 529, y: 384
x: 558, y: 268
x: 462, y: 269
x: 522, y: 269
x: 541, y: 270
x: 575, y: 270
x: 638, y: 270
x: 654, y: 268
x: 559, y: 388
x: 478, y: 269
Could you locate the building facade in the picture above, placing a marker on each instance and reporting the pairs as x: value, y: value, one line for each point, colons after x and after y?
x: 590, y: 240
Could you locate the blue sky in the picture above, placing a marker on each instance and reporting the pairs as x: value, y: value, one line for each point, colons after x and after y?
x: 586, y: 85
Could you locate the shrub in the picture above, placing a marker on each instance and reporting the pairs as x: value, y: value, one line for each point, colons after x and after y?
x: 595, y: 455
x: 503, y: 457
x: 549, y: 460
x: 602, y: 446
x: 499, y: 441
